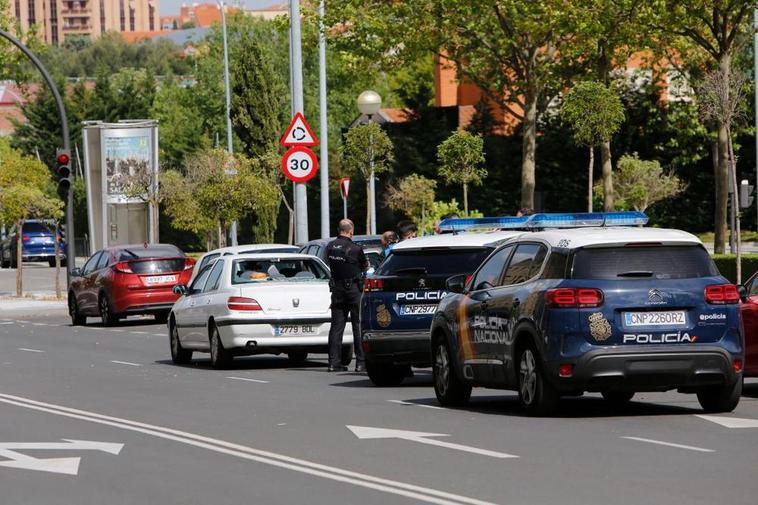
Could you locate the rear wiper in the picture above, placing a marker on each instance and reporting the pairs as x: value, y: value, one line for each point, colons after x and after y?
x: 635, y: 273
x: 411, y: 270
x: 127, y: 251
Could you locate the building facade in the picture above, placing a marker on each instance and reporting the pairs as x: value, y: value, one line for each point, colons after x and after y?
x: 56, y: 20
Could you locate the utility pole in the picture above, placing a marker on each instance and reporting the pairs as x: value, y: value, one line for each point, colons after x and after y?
x: 296, y: 69
x: 324, y: 162
x: 755, y: 82
x: 229, y: 146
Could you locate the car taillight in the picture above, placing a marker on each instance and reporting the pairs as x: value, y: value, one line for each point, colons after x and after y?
x: 371, y: 284
x: 189, y: 264
x: 573, y: 297
x: 26, y: 238
x: 720, y: 294
x: 123, y: 267
x: 242, y: 303
x: 737, y: 365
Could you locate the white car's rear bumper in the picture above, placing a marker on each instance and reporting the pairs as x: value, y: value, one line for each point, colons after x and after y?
x: 253, y: 334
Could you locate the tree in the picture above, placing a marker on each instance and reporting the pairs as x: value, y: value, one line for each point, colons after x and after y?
x: 460, y: 157
x: 413, y: 195
x: 367, y: 148
x: 595, y: 113
x: 641, y: 183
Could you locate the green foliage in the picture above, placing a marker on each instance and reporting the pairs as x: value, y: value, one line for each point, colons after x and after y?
x: 727, y: 265
x: 363, y: 145
x: 439, y: 209
x: 413, y: 195
x: 640, y: 183
x: 460, y: 157
x: 594, y: 112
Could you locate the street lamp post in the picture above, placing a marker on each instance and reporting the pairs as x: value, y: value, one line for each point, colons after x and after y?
x: 369, y: 102
x: 229, y: 146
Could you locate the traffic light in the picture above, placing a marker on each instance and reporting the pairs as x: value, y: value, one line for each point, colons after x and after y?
x: 746, y: 190
x: 63, y: 169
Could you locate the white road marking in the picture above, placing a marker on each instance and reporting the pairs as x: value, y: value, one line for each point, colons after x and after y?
x: 403, y: 402
x: 6, y: 322
x: 115, y: 329
x: 249, y: 380
x: 731, y: 422
x: 67, y: 466
x: 368, y: 433
x: 22, y: 322
x: 40, y: 324
x: 421, y: 493
x: 158, y: 334
x: 29, y: 350
x: 669, y: 444
x: 139, y: 332
x: 124, y: 363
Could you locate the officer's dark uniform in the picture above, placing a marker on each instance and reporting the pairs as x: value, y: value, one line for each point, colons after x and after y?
x: 347, y: 263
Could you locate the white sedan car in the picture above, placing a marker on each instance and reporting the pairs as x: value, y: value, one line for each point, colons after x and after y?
x: 255, y: 304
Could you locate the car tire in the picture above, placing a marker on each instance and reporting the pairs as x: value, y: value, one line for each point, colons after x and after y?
x: 179, y: 355
x: 77, y: 319
x: 106, y: 311
x: 297, y: 356
x: 716, y: 399
x: 51, y: 263
x: 385, y: 375
x: 618, y: 398
x: 448, y: 387
x: 347, y: 355
x: 161, y: 317
x: 220, y: 357
x: 536, y: 394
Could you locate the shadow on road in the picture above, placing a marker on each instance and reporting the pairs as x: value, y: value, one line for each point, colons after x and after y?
x: 250, y: 363
x: 126, y: 323
x: 750, y: 390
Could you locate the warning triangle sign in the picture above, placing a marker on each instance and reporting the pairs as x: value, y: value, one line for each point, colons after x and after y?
x: 298, y: 133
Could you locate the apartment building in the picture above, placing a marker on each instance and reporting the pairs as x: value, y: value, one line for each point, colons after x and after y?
x: 57, y: 20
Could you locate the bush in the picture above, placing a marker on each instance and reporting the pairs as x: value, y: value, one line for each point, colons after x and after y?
x: 727, y: 265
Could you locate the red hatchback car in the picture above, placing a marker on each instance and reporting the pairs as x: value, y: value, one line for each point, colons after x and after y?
x: 127, y: 280
x: 749, y: 310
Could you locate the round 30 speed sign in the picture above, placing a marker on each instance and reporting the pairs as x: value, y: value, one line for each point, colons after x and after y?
x: 299, y: 164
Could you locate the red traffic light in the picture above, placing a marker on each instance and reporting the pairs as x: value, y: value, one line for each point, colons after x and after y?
x: 63, y: 158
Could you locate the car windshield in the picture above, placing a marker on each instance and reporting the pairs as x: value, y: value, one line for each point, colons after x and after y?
x: 448, y: 261
x: 248, y: 271
x: 640, y: 262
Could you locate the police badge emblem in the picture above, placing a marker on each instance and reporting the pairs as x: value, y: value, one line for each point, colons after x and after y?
x: 383, y: 316
x: 600, y: 328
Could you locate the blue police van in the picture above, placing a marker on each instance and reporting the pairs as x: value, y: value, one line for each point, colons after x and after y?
x: 591, y: 302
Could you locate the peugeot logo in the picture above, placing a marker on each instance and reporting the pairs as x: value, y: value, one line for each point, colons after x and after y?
x: 654, y: 296
x: 421, y: 283
x: 296, y: 302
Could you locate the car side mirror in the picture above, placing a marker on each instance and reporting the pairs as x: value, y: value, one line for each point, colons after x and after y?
x: 180, y: 289
x: 456, y: 283
x: 76, y: 272
x: 742, y: 290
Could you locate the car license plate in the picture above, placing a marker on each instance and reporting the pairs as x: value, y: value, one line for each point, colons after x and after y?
x: 160, y: 279
x: 415, y: 310
x: 658, y: 318
x: 295, y: 329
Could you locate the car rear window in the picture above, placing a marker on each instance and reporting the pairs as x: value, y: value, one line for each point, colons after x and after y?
x: 657, y: 262
x: 37, y: 228
x: 152, y: 251
x: 249, y: 271
x: 446, y: 261
x: 157, y: 266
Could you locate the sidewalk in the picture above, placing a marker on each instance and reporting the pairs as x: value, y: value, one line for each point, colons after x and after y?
x: 31, y: 306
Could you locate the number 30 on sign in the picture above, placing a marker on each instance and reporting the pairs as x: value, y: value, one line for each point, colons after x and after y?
x: 299, y: 164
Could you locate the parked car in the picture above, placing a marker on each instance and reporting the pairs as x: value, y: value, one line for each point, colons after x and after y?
x: 255, y: 304
x: 240, y: 249
x: 371, y: 244
x: 749, y: 310
x: 127, y: 280
x: 37, y: 244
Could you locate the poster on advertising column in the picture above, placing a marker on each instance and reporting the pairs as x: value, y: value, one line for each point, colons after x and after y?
x: 128, y: 162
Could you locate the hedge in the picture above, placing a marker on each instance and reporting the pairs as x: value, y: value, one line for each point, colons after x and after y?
x: 727, y: 265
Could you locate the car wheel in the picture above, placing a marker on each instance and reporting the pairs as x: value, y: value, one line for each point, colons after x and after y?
x: 448, y: 387
x: 220, y: 357
x: 536, y: 395
x: 106, y: 311
x: 618, y: 398
x: 77, y: 319
x: 297, y: 356
x: 385, y: 375
x: 720, y: 398
x: 179, y: 355
x: 347, y: 355
x: 161, y: 317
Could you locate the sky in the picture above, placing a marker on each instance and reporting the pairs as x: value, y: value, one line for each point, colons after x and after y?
x: 171, y: 7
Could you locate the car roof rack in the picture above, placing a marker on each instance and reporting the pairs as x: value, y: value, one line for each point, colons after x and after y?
x: 544, y: 221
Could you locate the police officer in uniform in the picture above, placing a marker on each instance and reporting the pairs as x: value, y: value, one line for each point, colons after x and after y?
x: 347, y: 263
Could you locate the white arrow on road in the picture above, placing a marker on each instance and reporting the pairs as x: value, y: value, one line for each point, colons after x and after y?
x: 368, y: 432
x: 731, y: 422
x: 67, y: 466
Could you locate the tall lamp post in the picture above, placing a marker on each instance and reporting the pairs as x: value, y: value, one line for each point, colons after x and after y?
x: 369, y: 102
x: 229, y: 147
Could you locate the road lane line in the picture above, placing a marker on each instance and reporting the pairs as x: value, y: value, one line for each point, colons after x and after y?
x: 29, y: 350
x: 139, y: 332
x: 249, y: 380
x: 158, y: 334
x: 669, y: 444
x: 403, y: 402
x: 421, y: 493
x: 124, y: 363
x: 116, y: 330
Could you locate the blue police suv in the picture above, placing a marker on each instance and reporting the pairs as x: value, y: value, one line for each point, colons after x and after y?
x: 401, y: 296
x: 582, y: 304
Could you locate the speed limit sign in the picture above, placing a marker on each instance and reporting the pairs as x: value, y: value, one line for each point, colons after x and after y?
x: 299, y: 164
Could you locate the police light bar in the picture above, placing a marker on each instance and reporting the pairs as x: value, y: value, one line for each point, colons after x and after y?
x: 626, y: 218
x: 571, y: 220
x: 483, y: 223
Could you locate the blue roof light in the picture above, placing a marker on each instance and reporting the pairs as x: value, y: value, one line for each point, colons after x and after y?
x: 569, y: 220
x: 626, y: 218
x: 542, y: 221
x: 483, y: 223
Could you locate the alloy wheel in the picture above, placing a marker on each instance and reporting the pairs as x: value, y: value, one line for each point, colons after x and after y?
x: 442, y: 364
x: 527, y: 376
